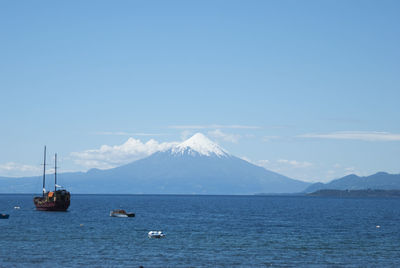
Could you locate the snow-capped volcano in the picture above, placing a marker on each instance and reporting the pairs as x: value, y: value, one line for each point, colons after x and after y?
x: 195, y: 166
x: 199, y: 144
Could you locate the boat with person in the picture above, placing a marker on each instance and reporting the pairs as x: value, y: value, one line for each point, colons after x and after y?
x: 120, y: 213
x: 4, y: 216
x: 57, y: 200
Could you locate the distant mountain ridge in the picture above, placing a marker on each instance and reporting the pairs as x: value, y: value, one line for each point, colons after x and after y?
x: 356, y: 193
x: 380, y: 180
x: 195, y: 166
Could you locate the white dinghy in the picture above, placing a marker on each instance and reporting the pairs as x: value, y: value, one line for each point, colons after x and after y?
x: 156, y: 234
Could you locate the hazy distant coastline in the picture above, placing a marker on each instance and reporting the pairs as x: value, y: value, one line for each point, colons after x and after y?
x: 357, y: 193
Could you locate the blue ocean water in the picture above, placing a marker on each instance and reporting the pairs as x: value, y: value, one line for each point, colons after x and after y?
x: 202, y: 231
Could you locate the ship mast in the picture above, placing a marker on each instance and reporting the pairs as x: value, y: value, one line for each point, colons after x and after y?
x: 44, y: 170
x: 55, y: 173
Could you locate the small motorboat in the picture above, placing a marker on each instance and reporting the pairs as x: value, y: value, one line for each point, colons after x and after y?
x: 156, y: 234
x: 120, y: 213
x: 17, y: 207
x: 4, y: 216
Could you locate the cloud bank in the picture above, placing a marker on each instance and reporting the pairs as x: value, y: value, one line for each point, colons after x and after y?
x: 123, y: 133
x: 12, y: 169
x: 214, y: 126
x: 111, y: 156
x: 218, y: 134
x: 356, y: 135
x: 107, y: 157
x: 307, y: 171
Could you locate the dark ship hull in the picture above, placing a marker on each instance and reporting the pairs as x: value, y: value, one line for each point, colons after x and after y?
x: 53, y: 201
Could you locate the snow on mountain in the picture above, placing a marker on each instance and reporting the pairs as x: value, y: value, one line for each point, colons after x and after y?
x: 199, y: 144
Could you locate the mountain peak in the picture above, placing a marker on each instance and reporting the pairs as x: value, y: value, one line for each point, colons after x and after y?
x: 200, y: 144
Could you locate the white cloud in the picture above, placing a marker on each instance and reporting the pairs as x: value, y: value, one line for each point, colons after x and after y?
x: 356, y: 135
x: 340, y: 171
x: 296, y: 164
x: 283, y: 164
x: 264, y: 162
x: 300, y: 170
x: 269, y: 138
x: 12, y: 169
x: 218, y: 134
x: 214, y: 126
x: 111, y: 156
x: 308, y: 171
x: 186, y: 134
x: 351, y: 170
x: 123, y: 133
x: 246, y: 159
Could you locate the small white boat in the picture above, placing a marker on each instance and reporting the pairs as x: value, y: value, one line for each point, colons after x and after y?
x: 156, y: 234
x: 120, y: 213
x: 17, y: 207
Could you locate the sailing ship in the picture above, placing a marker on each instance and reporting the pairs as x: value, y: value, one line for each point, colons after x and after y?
x: 57, y: 200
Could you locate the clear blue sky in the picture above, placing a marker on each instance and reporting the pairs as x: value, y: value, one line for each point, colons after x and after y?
x: 310, y: 89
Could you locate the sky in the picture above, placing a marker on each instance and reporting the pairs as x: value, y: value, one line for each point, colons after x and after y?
x: 309, y: 89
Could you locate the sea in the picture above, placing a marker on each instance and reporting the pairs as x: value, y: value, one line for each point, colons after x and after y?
x: 202, y: 231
